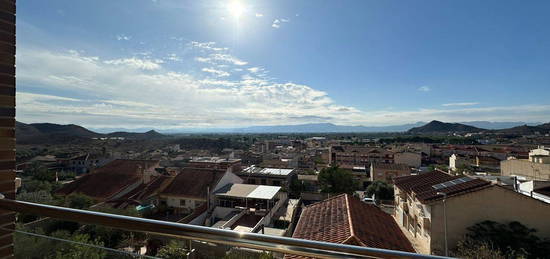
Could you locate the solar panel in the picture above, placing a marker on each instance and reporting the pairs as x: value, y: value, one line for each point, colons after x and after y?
x: 451, y: 183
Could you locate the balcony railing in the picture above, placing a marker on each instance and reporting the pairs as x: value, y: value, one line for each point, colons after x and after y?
x: 284, y: 245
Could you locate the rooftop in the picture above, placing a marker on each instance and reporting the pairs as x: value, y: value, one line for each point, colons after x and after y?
x: 254, y: 170
x: 388, y: 166
x: 345, y: 219
x: 213, y: 160
x: 193, y: 182
x: 249, y: 191
x: 110, y: 179
x: 427, y: 186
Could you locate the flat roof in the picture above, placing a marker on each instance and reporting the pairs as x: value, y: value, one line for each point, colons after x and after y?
x: 267, y: 171
x: 249, y: 191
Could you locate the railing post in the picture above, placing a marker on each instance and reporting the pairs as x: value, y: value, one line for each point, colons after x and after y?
x: 7, y: 121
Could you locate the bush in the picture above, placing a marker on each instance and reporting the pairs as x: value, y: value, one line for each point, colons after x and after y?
x: 512, y: 240
x: 381, y: 190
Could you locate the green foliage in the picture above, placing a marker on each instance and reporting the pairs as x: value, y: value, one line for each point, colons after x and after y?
x: 336, y: 180
x: 77, y: 251
x: 381, y: 190
x: 470, y: 249
x: 173, y: 250
x: 513, y: 240
x: 65, y: 175
x: 78, y: 201
x: 40, y: 196
x: 295, y: 188
x: 113, y: 237
x: 36, y: 185
x: 29, y: 246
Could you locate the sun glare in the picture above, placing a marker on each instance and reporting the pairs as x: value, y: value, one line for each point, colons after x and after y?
x: 236, y: 9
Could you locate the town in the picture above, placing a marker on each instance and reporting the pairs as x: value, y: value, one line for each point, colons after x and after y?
x: 440, y: 189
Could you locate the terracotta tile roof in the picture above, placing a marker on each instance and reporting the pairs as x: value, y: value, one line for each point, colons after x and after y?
x: 193, y: 182
x: 110, y: 179
x: 423, y: 185
x: 142, y: 192
x: 345, y: 219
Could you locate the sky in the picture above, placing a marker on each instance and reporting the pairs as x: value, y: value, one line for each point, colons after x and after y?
x: 171, y: 64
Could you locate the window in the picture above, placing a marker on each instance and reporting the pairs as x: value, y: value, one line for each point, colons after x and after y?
x: 183, y: 203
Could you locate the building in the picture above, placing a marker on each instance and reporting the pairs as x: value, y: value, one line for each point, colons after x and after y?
x: 344, y: 219
x: 267, y: 176
x: 215, y: 163
x: 537, y: 167
x: 456, y: 161
x: 246, y: 207
x: 412, y: 159
x: 192, y: 187
x: 350, y: 156
x: 421, y: 200
x: 113, y: 180
x: 386, y: 172
x: 487, y: 162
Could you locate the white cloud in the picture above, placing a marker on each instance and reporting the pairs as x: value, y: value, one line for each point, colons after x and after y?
x: 216, y: 57
x: 460, y: 104
x: 277, y: 22
x: 259, y: 15
x: 136, y: 63
x: 123, y: 37
x: 424, y: 89
x: 218, y: 73
x: 254, y: 69
x: 99, y: 92
x: 173, y: 57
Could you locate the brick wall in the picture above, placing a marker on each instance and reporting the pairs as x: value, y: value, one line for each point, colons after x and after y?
x: 7, y: 120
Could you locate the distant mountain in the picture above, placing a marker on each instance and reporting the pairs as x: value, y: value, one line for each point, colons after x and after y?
x: 322, y: 128
x: 133, y: 135
x: 497, y: 125
x: 39, y: 133
x: 438, y: 127
x: 526, y: 130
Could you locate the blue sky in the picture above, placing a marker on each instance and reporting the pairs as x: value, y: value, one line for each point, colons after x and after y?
x: 183, y: 64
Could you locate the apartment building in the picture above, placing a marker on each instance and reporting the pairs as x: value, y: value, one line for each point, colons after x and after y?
x: 267, y: 176
x: 537, y: 167
x: 350, y: 156
x: 387, y: 172
x: 412, y: 159
x: 422, y: 201
x: 216, y: 163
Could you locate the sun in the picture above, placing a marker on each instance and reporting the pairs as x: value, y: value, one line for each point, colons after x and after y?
x: 236, y: 9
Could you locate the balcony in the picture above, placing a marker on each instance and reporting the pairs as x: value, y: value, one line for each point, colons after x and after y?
x: 282, y: 245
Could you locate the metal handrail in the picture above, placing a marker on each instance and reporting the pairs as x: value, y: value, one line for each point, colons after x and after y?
x: 284, y: 245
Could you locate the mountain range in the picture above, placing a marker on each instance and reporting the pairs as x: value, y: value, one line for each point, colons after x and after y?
x: 38, y: 133
x: 48, y: 132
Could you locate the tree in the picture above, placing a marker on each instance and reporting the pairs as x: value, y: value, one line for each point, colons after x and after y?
x: 381, y: 190
x: 336, y: 180
x: 469, y: 249
x: 77, y: 251
x: 78, y: 201
x: 513, y: 240
x: 173, y: 250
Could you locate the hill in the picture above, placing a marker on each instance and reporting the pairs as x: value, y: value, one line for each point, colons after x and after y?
x: 526, y: 130
x: 41, y: 133
x: 438, y: 127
